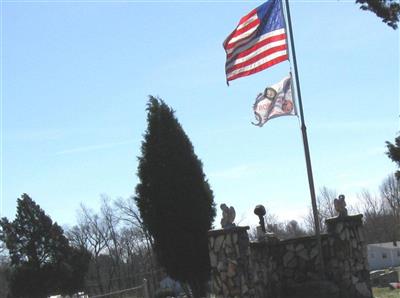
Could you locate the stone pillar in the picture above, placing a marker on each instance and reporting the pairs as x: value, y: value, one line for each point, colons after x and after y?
x: 230, y: 263
x: 347, y: 265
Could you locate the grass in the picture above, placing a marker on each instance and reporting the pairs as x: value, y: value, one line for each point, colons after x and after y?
x: 385, y: 293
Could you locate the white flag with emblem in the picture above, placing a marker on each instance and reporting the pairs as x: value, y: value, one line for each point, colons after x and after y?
x: 275, y: 101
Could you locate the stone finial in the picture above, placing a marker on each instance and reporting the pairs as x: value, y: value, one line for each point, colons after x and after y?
x: 340, y: 206
x: 228, y: 216
x: 260, y: 212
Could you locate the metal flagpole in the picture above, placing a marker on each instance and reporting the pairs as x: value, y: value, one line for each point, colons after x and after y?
x: 305, y: 143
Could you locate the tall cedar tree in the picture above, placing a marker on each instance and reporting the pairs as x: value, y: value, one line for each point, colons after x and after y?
x: 42, y: 262
x: 174, y: 199
x: 387, y: 10
x: 394, y: 153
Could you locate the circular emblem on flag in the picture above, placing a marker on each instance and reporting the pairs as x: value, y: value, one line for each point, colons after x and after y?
x: 287, y: 106
x: 270, y: 93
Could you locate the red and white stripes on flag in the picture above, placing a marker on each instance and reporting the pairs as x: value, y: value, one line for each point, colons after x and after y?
x: 258, y: 42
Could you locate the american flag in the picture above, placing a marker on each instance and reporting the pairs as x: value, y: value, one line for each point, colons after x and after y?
x: 258, y: 42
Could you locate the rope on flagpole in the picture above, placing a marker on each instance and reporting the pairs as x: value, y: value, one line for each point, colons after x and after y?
x: 305, y: 144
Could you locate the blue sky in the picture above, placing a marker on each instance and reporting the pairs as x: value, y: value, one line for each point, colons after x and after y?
x: 76, y: 77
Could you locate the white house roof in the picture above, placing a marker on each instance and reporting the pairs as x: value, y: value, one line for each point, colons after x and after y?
x: 386, y: 245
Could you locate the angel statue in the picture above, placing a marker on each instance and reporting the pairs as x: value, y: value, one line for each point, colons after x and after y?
x: 228, y: 216
x: 340, y: 206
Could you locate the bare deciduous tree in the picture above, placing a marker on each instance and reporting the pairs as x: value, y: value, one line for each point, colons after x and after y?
x: 120, y: 248
x: 129, y: 213
x: 325, y: 210
x: 390, y: 192
x: 379, y: 219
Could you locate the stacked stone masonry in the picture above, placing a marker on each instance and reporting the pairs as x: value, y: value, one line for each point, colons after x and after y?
x: 291, y: 268
x: 230, y: 259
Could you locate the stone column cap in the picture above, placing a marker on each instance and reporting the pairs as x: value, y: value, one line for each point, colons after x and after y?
x: 351, y: 218
x: 227, y: 231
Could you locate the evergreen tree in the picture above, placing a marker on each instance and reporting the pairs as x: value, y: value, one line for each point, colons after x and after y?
x: 387, y: 10
x: 394, y: 153
x: 174, y: 198
x: 42, y: 262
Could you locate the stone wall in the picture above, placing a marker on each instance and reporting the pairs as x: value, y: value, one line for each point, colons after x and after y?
x: 230, y: 262
x: 279, y: 267
x: 347, y: 262
x: 291, y: 268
